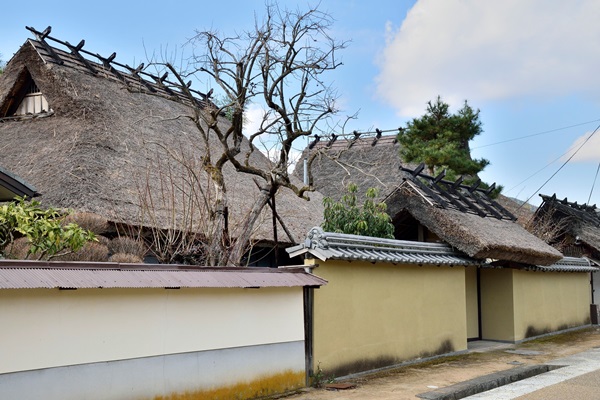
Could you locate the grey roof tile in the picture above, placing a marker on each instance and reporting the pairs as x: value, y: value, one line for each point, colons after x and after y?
x: 339, y: 246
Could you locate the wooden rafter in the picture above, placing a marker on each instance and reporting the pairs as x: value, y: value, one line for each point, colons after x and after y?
x: 122, y: 72
x: 75, y: 51
x: 447, y: 194
x: 41, y: 37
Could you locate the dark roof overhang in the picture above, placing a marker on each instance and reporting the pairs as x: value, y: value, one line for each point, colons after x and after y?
x: 12, y: 186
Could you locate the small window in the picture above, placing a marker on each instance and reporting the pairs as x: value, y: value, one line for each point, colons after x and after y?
x: 33, y: 102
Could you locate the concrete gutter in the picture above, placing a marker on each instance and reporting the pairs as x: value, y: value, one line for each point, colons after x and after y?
x: 486, y: 382
x: 520, y: 381
x: 573, y: 366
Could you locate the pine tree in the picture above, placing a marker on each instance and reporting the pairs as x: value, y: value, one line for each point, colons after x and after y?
x: 441, y: 140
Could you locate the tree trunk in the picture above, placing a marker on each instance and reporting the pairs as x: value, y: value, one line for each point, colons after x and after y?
x: 217, y: 253
x: 243, y: 238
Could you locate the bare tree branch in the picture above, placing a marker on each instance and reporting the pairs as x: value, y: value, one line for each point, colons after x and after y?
x: 279, y: 65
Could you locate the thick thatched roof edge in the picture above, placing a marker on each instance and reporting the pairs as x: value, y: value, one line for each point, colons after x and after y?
x: 480, y: 238
x: 581, y: 221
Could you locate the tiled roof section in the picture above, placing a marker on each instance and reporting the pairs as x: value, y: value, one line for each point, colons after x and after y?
x: 567, y: 264
x: 339, y: 246
x: 571, y: 264
x: 455, y: 195
x: 78, y: 58
x: 50, y: 275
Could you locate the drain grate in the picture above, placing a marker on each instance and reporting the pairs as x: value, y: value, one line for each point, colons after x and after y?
x: 487, y: 382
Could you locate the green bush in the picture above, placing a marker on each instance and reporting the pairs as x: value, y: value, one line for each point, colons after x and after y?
x: 46, y: 235
x: 345, y: 216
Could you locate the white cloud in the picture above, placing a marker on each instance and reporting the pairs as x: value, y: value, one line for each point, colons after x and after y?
x: 589, y: 150
x: 268, y: 145
x: 488, y: 50
x: 253, y: 116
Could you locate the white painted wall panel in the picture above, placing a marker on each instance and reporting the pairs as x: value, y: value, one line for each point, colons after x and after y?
x: 44, y: 328
x: 32, y: 104
x: 145, y: 378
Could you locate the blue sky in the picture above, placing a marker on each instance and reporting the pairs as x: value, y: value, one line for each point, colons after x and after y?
x: 528, y: 65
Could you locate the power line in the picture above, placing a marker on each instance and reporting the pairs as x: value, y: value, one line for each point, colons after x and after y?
x: 367, y: 133
x: 561, y: 167
x: 537, y: 172
x: 535, y: 134
x: 593, y: 184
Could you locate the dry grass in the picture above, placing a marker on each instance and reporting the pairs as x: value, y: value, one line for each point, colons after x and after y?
x: 91, y: 251
x: 90, y: 221
x: 564, y: 338
x: 127, y: 245
x: 126, y: 258
x: 17, y: 250
x: 103, y: 240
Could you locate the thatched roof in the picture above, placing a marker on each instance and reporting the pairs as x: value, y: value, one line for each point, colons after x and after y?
x: 368, y: 162
x: 481, y: 231
x: 580, y: 221
x: 110, y: 147
x: 479, y: 237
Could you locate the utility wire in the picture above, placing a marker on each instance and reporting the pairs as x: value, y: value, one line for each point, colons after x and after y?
x: 594, y: 184
x: 561, y: 167
x: 535, y: 134
x: 367, y: 133
x: 537, y: 172
x: 356, y: 134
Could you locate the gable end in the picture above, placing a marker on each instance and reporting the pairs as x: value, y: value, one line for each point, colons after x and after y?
x: 25, y: 98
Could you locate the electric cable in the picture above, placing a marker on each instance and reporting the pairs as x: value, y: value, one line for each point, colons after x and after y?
x: 594, y: 183
x: 535, y: 134
x: 561, y: 167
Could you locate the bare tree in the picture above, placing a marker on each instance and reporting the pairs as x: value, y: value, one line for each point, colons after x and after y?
x: 280, y: 65
x: 551, y: 230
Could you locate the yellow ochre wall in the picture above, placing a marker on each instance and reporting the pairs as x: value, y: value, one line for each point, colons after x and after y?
x: 372, y: 315
x: 472, y: 306
x: 518, y: 304
x: 550, y: 301
x: 497, y: 305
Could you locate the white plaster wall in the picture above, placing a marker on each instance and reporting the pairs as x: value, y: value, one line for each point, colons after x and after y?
x: 148, y: 377
x: 42, y: 328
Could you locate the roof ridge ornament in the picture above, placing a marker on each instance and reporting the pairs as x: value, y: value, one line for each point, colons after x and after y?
x: 41, y: 37
x: 316, y: 238
x: 566, y: 202
x: 121, y: 72
x: 447, y: 194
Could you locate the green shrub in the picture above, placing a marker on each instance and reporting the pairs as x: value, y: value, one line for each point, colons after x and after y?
x: 47, y: 236
x: 345, y: 216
